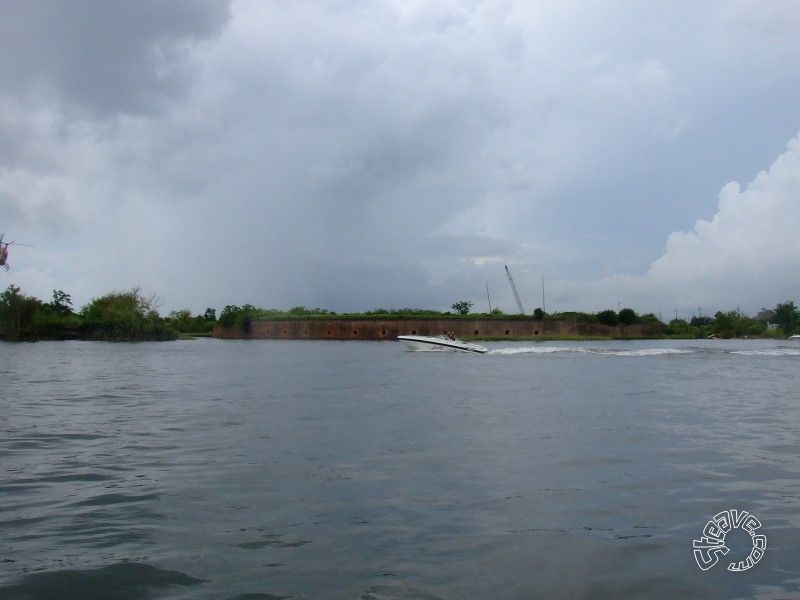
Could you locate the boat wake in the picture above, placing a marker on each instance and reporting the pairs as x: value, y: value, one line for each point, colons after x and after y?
x: 581, y: 350
x: 769, y: 352
x: 766, y: 352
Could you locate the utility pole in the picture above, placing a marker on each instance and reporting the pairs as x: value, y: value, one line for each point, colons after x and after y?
x: 544, y: 309
x: 488, y: 297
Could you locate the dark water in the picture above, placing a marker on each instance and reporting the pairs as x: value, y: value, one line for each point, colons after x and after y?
x: 259, y: 470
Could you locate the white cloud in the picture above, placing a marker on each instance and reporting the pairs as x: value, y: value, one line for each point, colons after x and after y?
x: 747, y: 255
x: 752, y: 239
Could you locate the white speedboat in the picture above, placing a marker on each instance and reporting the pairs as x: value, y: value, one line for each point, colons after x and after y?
x: 795, y: 337
x: 440, y: 343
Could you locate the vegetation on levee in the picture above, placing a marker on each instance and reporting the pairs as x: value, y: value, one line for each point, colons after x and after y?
x: 132, y: 316
x: 189, y: 326
x: 240, y: 317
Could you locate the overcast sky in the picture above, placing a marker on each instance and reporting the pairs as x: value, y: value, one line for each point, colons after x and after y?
x: 359, y: 155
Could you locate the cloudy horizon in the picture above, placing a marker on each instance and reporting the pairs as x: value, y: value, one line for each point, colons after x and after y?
x: 398, y: 154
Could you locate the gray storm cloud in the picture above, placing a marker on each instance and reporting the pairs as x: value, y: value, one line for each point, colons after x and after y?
x: 394, y: 154
x: 103, y: 57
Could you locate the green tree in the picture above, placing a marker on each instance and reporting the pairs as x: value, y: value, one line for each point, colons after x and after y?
x: 608, y: 317
x: 627, y: 316
x: 724, y: 324
x: 228, y: 315
x: 787, y: 316
x: 701, y: 321
x: 10, y: 301
x: 538, y: 314
x: 648, y: 318
x: 679, y: 327
x: 733, y: 324
x: 125, y: 316
x: 210, y: 314
x: 18, y: 312
x: 240, y: 317
x: 462, y: 306
x: 182, y: 320
x: 61, y: 302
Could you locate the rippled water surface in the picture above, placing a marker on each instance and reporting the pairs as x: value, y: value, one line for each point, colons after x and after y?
x: 262, y: 470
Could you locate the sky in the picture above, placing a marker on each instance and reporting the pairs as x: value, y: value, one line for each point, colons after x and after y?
x: 386, y: 154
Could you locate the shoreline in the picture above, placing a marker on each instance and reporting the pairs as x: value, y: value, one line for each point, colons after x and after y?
x: 183, y: 337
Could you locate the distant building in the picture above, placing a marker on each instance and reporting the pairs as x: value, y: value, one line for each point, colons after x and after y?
x: 766, y: 315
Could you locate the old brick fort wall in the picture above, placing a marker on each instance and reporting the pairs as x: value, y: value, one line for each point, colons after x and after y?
x: 368, y: 329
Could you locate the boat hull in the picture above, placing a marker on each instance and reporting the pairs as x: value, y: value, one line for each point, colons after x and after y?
x: 423, y: 343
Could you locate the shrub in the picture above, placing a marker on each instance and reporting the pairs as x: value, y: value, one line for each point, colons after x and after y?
x: 608, y: 317
x: 124, y: 316
x: 627, y: 316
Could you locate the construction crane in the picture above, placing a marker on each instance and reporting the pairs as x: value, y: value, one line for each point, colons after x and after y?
x: 514, y: 289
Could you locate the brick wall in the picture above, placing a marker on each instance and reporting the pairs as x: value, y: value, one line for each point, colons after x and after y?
x: 353, y: 329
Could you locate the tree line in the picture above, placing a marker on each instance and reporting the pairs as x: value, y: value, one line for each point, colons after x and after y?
x: 782, y: 321
x: 132, y: 315
x: 121, y: 316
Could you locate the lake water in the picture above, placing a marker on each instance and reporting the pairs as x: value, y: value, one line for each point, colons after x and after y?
x: 272, y: 469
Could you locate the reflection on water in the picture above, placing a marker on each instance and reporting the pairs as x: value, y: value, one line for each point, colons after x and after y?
x: 212, y: 469
x: 123, y: 581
